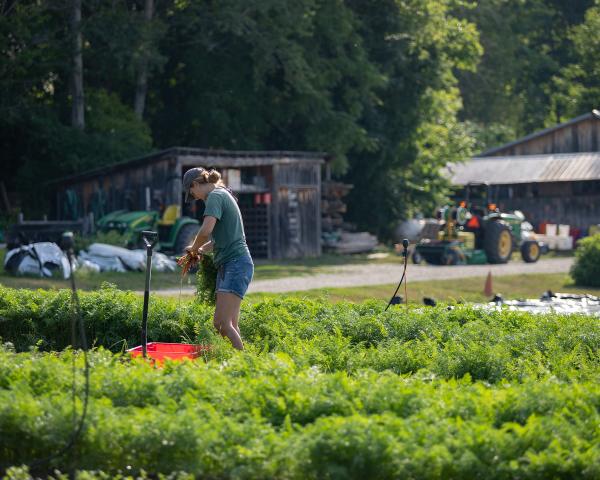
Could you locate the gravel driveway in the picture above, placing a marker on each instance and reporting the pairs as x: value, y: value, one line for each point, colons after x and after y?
x: 386, y: 273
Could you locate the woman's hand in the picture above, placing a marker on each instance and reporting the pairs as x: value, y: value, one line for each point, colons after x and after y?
x: 193, y: 249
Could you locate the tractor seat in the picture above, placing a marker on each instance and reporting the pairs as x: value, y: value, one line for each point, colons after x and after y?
x: 170, y: 216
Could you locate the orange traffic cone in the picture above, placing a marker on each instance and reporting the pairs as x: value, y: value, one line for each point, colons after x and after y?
x: 488, y: 290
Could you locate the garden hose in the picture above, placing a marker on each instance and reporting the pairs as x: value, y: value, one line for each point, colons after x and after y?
x: 405, y: 255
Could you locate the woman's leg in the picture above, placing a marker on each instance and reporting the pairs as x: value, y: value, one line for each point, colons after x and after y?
x: 236, y: 322
x: 228, y: 309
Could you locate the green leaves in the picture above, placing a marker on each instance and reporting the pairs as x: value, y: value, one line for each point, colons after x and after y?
x: 264, y: 417
x: 321, y: 391
x: 586, y: 269
x: 488, y: 346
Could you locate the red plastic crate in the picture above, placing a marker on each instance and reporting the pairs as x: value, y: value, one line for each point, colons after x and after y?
x: 158, y: 351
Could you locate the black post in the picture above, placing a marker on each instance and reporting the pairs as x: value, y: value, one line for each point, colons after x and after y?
x: 150, y: 239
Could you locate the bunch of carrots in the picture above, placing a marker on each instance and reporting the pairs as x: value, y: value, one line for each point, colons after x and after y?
x: 188, y: 261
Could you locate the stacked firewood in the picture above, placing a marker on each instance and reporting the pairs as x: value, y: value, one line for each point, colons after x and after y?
x: 332, y: 205
x: 336, y: 233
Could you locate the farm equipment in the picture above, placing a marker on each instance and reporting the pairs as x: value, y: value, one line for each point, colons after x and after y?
x: 476, y: 232
x: 174, y: 231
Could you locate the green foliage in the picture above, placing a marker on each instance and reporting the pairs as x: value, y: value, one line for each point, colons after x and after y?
x: 391, y: 89
x: 266, y: 417
x: 575, y: 88
x: 67, y: 150
x: 109, y: 118
x: 586, y: 269
x: 273, y: 74
x: 206, y: 280
x: 488, y: 346
x: 526, y: 46
x: 321, y: 391
x: 417, y: 45
x: 112, y: 318
x: 490, y: 135
x: 35, y: 67
x: 371, y: 84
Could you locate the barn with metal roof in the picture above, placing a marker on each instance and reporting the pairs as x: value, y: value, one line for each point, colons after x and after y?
x: 552, y: 175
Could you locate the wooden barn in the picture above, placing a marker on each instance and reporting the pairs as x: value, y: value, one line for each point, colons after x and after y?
x: 279, y: 193
x: 553, y: 175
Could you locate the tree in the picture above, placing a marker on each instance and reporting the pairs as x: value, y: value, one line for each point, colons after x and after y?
x: 525, y: 45
x: 575, y: 90
x: 268, y: 74
x: 142, y: 75
x: 44, y: 131
x: 78, y: 104
x: 417, y: 45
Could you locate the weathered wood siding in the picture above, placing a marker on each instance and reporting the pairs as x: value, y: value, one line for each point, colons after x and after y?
x: 126, y: 189
x: 296, y: 216
x: 583, y: 136
x: 568, y: 203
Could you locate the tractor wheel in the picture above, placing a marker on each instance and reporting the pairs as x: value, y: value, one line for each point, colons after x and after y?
x: 185, y: 237
x: 530, y: 251
x: 498, y: 242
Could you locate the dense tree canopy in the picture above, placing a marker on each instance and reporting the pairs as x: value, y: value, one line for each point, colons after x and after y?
x: 393, y: 89
x: 527, y: 44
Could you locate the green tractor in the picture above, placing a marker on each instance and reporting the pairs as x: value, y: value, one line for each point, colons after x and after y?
x: 476, y: 232
x: 174, y: 231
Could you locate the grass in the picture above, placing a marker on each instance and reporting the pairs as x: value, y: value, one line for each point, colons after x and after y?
x: 169, y: 280
x: 265, y: 270
x: 469, y: 289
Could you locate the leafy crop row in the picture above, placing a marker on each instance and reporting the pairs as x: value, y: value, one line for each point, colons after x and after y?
x: 112, y: 318
x: 488, y: 346
x: 322, y: 391
x: 266, y: 417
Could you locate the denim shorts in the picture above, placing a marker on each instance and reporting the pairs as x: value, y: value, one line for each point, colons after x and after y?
x: 234, y: 276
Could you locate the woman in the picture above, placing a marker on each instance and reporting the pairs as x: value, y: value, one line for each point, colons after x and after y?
x: 222, y: 231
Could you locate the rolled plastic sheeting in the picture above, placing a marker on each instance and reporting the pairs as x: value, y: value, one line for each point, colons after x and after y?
x: 38, y: 259
x: 110, y: 258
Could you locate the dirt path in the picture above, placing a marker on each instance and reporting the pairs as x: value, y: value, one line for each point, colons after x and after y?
x: 381, y: 274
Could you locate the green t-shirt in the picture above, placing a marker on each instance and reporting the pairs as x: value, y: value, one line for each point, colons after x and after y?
x: 229, y: 240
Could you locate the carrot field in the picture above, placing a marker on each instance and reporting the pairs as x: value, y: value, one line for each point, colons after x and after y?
x: 321, y: 391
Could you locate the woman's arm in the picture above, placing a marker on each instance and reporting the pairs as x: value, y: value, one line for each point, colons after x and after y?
x: 203, y: 235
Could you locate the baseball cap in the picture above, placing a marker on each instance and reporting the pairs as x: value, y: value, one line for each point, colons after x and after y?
x: 188, y: 178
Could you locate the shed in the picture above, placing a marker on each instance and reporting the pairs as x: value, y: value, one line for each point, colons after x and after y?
x: 279, y: 193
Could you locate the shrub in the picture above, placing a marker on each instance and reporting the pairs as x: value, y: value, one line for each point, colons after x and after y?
x: 586, y: 269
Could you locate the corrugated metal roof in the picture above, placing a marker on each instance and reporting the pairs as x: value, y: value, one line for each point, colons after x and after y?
x: 557, y: 167
x: 586, y: 116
